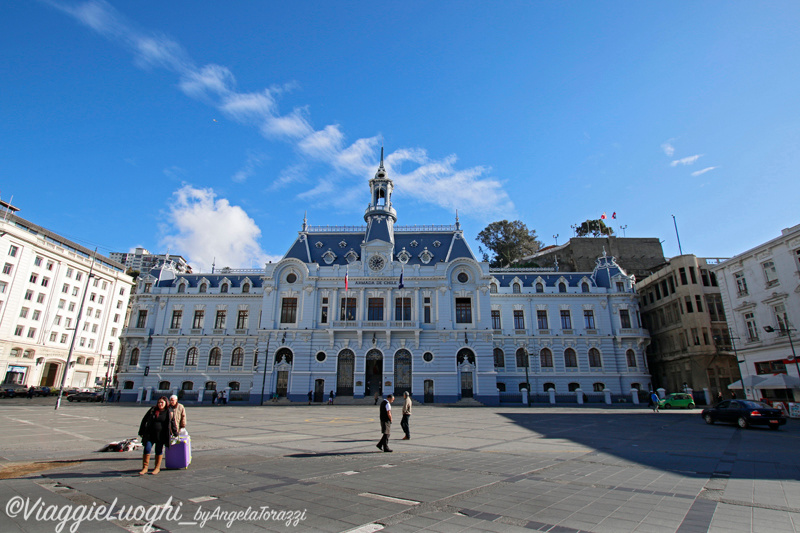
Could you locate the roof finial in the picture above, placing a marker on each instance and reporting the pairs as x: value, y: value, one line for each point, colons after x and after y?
x: 305, y: 221
x: 381, y: 165
x: 458, y: 224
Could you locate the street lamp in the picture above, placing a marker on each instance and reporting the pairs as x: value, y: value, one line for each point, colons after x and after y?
x: 556, y: 238
x: 785, y: 327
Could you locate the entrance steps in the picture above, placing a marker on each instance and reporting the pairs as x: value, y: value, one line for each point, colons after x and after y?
x: 467, y: 402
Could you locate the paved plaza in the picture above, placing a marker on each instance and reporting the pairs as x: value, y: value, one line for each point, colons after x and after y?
x: 316, y: 468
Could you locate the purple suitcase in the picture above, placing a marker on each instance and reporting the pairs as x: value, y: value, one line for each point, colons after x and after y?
x: 179, y: 454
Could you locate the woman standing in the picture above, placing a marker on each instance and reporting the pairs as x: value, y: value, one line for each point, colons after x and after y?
x: 156, y: 428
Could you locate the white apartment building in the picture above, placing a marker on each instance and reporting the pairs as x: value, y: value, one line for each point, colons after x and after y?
x: 761, y: 291
x: 42, y: 283
x: 141, y: 260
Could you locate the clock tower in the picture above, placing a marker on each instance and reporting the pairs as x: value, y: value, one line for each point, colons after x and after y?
x: 380, y: 216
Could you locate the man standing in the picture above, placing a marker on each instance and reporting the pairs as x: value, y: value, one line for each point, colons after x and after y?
x: 386, y: 423
x: 178, y: 412
x: 406, y: 415
x: 654, y: 399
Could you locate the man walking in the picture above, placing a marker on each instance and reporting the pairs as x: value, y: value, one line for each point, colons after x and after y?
x: 178, y: 412
x: 654, y: 399
x: 386, y: 423
x: 406, y: 415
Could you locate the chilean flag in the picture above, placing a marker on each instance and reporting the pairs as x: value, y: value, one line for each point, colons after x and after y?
x: 345, y: 281
x: 401, y: 280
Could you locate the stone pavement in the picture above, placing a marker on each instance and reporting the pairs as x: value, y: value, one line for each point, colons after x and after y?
x: 464, y: 469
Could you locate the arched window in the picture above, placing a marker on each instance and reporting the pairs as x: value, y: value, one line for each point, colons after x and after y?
x: 493, y: 288
x: 572, y: 387
x: 191, y: 356
x: 81, y: 360
x: 499, y: 358
x: 465, y: 353
x: 598, y: 387
x: 584, y: 287
x: 211, y: 385
x: 517, y: 289
x: 234, y: 385
x: 169, y: 356
x: 128, y: 385
x: 501, y: 387
x: 562, y: 287
x: 134, y: 357
x: 570, y: 358
x: 546, y: 358
x: 181, y: 288
x: 203, y: 287
x: 214, y: 356
x: 224, y: 288
x: 595, y: 361
x: 28, y: 354
x: 524, y: 386
x: 636, y: 386
x: 163, y: 385
x: 246, y: 288
x: 548, y: 386
x: 539, y: 287
x: 237, y: 357
x: 631, y: 356
x: 522, y: 358
x: 90, y: 361
x: 284, y: 354
x: 187, y: 385
x: 15, y: 352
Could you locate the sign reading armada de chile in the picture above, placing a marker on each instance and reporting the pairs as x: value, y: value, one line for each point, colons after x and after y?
x: 371, y: 282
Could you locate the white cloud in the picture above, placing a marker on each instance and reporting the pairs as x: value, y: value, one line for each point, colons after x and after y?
x: 668, y: 148
x: 686, y: 160
x: 213, y: 79
x: 248, y: 169
x: 700, y: 172
x: 207, y: 229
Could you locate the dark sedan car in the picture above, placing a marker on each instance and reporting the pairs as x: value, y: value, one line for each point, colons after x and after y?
x: 744, y: 413
x: 86, y: 397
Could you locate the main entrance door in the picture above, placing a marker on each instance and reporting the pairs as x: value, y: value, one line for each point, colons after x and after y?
x: 319, y: 390
x: 374, y: 373
x: 428, y: 391
x: 466, y: 384
x: 402, y: 372
x: 283, y: 383
x: 345, y: 368
x: 49, y: 375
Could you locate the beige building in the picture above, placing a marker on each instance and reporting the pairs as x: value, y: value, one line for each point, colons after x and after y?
x: 47, y: 296
x: 690, y: 342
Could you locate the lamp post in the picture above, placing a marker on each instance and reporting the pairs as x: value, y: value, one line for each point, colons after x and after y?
x: 266, y: 359
x: 527, y: 379
x: 785, y: 327
x: 738, y: 362
x: 556, y: 238
x: 623, y: 228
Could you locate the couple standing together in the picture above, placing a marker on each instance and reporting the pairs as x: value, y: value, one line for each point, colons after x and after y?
x: 386, y: 420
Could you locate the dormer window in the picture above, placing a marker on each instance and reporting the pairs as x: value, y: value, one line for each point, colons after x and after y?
x: 517, y: 289
x: 181, y: 288
x: 245, y: 288
x: 425, y: 256
x: 403, y: 256
x: 562, y: 287
x: 203, y: 288
x: 329, y: 257
x: 351, y: 257
x: 584, y: 287
x: 224, y: 288
x: 539, y: 287
x: 493, y: 288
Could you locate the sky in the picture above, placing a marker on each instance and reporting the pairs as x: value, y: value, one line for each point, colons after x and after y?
x: 210, y: 129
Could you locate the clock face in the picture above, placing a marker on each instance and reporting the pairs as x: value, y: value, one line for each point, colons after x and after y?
x: 376, y: 262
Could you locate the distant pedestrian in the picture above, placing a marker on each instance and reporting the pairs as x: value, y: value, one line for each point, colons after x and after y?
x: 310, y: 395
x: 214, y: 397
x: 406, y: 415
x: 119, y: 395
x: 331, y: 396
x: 225, y: 397
x: 654, y: 400
x: 377, y: 398
x: 733, y: 395
x: 30, y: 392
x: 719, y: 397
x: 386, y: 423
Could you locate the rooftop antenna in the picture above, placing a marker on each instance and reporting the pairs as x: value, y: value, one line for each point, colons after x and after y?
x: 213, y: 264
x: 676, y: 234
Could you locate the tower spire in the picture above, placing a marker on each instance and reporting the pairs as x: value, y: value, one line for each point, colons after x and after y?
x: 381, y: 165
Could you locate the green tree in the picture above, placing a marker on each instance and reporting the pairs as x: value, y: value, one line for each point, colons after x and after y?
x: 594, y: 228
x: 508, y: 242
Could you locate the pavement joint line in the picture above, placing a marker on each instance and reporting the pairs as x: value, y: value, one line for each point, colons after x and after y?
x: 366, y: 528
x: 390, y: 499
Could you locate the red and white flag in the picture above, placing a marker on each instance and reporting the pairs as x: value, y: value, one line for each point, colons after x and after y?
x: 345, y: 280
x: 603, y: 216
x: 614, y: 214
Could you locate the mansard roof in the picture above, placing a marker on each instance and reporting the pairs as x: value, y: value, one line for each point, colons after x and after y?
x: 215, y: 280
x: 603, y: 275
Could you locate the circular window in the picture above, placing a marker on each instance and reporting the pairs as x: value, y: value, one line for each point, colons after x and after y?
x: 427, y: 357
x: 321, y: 357
x: 462, y: 277
x: 291, y: 278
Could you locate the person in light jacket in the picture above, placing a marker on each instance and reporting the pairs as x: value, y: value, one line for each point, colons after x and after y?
x: 406, y: 415
x: 178, y: 412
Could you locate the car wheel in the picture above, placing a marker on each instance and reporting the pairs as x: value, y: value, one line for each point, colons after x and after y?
x: 742, y: 422
x: 709, y: 419
x: 774, y: 427
x: 690, y: 406
x: 667, y: 406
x: 70, y: 400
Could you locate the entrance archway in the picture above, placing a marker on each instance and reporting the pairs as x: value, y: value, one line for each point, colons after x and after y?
x: 345, y: 369
x: 466, y: 364
x: 402, y: 372
x: 49, y: 375
x: 373, y: 375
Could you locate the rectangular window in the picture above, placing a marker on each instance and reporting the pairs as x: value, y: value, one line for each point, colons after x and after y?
x: 496, y: 319
x: 541, y: 319
x: 770, y: 273
x: 97, y: 314
x: 402, y: 309
x: 67, y: 322
x: 141, y: 321
x: 695, y: 337
x: 704, y: 277
x: 197, y: 322
x: 38, y: 261
x: 288, y: 310
x: 40, y: 298
x: 682, y: 272
x: 463, y: 310
x: 770, y: 367
x: 45, y: 282
x: 427, y: 313
x: 324, y: 316
x: 63, y: 339
x: 741, y: 284
x: 34, y: 277
x: 65, y: 288
x: 53, y: 336
x: 75, y: 290
x: 375, y: 309
x: 658, y: 292
x: 113, y: 332
x: 219, y: 321
x: 100, y: 299
x: 78, y: 276
x: 94, y: 328
x: 58, y: 320
x: 7, y: 268
x: 688, y: 302
x: 116, y: 318
x: 28, y: 295
x: 13, y: 251
x: 177, y: 314
x: 119, y: 304
x: 780, y: 314
x: 348, y: 309
x: 752, y: 327
x: 36, y: 314
x: 71, y: 306
x: 105, y: 285
x: 241, y: 319
x: 698, y: 303
x: 519, y: 319
x: 588, y: 317
x: 31, y: 333
x: 19, y: 330
x: 671, y: 281
x: 566, y: 319
x: 692, y: 275
x: 23, y: 313
x: 705, y: 336
x: 3, y: 286
x: 69, y: 272
x: 92, y: 297
x: 624, y: 318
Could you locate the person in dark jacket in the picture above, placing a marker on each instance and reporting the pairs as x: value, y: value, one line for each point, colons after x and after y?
x: 386, y: 423
x: 156, y: 428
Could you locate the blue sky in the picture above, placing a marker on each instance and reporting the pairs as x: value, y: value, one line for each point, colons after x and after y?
x: 210, y: 128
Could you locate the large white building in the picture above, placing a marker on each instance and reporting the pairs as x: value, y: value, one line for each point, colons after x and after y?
x: 381, y: 308
x: 761, y: 291
x: 141, y: 260
x: 42, y: 283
